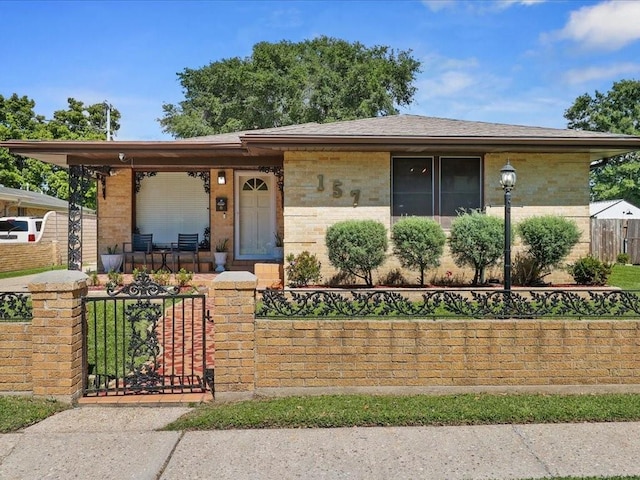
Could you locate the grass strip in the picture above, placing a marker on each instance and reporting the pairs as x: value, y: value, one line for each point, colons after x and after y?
x: 22, y: 273
x: 626, y: 277
x: 18, y: 412
x: 416, y: 410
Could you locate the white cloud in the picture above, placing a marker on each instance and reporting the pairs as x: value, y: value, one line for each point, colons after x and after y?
x: 437, y: 5
x: 477, y: 7
x: 608, y: 25
x: 583, y: 75
x: 502, y: 4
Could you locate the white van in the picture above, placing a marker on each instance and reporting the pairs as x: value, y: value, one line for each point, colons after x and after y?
x: 20, y: 229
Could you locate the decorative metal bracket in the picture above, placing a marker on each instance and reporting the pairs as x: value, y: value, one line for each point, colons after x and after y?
x: 139, y: 176
x: 101, y: 173
x: 206, y: 178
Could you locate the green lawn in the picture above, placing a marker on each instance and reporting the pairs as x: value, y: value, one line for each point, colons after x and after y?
x: 416, y: 410
x: 19, y: 412
x: 21, y: 273
x: 625, y: 276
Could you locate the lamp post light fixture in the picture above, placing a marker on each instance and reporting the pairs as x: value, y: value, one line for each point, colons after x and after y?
x: 508, y: 181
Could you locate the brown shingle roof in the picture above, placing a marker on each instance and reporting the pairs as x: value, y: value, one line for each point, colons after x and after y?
x: 420, y: 126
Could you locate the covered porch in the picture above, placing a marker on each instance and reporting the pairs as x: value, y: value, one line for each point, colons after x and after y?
x: 228, y: 199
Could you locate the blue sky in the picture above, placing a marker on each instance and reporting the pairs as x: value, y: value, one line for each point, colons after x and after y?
x: 509, y: 61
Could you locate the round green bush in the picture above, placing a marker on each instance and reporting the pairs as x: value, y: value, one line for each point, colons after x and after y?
x: 477, y: 241
x: 590, y: 271
x: 548, y: 239
x: 418, y: 243
x: 357, y: 247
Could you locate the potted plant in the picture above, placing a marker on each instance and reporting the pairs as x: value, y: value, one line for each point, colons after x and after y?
x: 220, y: 255
x: 112, y: 260
x: 278, y: 248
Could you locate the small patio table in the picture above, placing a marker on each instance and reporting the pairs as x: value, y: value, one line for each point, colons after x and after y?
x: 163, y: 250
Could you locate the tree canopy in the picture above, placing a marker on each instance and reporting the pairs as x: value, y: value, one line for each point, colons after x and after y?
x: 616, y: 111
x: 319, y: 80
x: 18, y: 121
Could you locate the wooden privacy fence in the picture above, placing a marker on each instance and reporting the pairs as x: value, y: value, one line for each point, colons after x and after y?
x: 610, y: 237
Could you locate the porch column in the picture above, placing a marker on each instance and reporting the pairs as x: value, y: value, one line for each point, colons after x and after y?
x: 74, y: 257
x: 234, y: 334
x: 57, y: 336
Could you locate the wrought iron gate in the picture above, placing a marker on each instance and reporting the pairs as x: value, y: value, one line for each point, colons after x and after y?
x: 146, y: 338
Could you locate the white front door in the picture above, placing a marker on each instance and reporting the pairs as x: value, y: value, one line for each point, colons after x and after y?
x: 255, y: 215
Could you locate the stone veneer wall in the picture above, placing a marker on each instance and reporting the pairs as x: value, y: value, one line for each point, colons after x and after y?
x: 547, y: 184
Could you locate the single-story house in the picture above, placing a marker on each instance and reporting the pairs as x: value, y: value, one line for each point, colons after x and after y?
x: 614, y: 209
x: 52, y: 244
x: 26, y: 203
x: 297, y: 180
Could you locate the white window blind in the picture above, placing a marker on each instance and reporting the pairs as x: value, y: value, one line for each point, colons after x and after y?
x: 170, y: 203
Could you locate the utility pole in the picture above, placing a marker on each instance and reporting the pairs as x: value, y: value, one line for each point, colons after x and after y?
x: 108, y: 107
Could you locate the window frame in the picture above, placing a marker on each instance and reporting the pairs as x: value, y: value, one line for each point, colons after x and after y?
x: 436, y: 183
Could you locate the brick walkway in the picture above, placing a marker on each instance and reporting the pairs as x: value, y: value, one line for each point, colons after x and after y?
x: 181, y: 340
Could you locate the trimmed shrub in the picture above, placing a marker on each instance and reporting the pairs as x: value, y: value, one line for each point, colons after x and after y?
x: 477, y: 241
x: 590, y: 271
x: 418, y: 243
x: 623, y: 258
x: 357, y: 247
x: 548, y: 239
x: 303, y: 269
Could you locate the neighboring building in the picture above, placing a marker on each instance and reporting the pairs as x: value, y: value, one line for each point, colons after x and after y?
x: 615, y: 229
x: 20, y: 203
x: 298, y: 180
x: 614, y: 209
x: 52, y: 245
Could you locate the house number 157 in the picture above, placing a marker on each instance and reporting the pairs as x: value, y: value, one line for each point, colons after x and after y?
x: 336, y: 190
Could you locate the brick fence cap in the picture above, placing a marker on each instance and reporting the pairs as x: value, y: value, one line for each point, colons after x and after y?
x: 62, y: 279
x: 228, y: 279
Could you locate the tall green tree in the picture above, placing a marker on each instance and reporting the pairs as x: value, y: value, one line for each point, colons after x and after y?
x: 18, y: 121
x: 319, y: 80
x: 616, y: 111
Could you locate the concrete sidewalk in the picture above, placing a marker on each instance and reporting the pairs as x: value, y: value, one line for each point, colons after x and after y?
x: 121, y: 442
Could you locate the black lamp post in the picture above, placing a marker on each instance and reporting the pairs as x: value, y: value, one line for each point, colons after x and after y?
x: 508, y: 181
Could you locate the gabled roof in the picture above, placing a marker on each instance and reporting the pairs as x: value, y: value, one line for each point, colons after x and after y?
x: 613, y: 209
x: 27, y: 198
x: 396, y: 133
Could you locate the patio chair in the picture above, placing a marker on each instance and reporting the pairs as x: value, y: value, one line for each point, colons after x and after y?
x: 186, y: 246
x: 141, y: 245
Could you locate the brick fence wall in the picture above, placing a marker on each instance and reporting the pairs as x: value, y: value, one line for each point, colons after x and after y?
x: 276, y: 357
x: 356, y: 353
x: 15, y: 358
x: 44, y: 357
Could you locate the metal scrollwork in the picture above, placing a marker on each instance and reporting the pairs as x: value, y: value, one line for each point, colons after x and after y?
x: 142, y: 286
x: 206, y: 178
x: 138, y: 179
x: 74, y: 258
x: 143, y: 351
x: 451, y: 303
x: 15, y: 307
